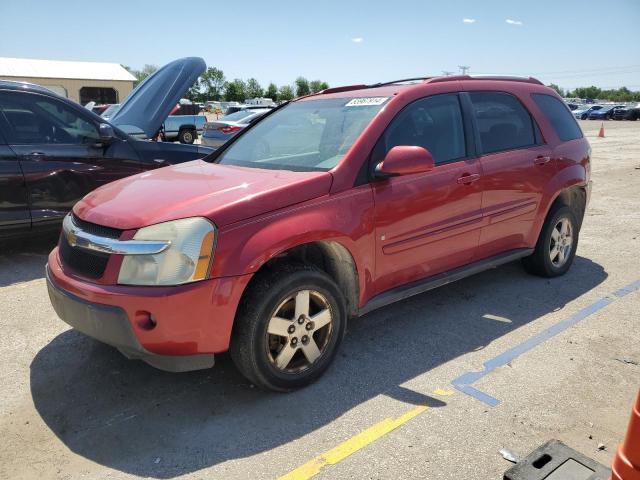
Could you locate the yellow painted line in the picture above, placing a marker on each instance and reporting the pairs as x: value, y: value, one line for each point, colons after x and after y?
x: 443, y: 393
x: 351, y: 446
x: 356, y: 443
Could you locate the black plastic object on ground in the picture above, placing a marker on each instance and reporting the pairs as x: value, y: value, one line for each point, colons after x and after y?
x: 555, y: 461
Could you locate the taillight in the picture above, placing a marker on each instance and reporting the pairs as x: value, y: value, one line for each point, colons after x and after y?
x: 229, y: 129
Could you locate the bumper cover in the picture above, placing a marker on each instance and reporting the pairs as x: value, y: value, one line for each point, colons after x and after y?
x: 110, y: 324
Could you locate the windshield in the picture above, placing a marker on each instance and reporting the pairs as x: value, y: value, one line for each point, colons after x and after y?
x: 304, y: 136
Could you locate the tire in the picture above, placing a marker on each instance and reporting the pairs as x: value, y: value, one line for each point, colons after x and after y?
x: 187, y: 135
x: 275, y: 303
x: 543, y: 262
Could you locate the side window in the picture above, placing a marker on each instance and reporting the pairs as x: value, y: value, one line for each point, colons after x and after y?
x: 502, y: 121
x: 434, y: 123
x: 37, y: 119
x: 559, y: 115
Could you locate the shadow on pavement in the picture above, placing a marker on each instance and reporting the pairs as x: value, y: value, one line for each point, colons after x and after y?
x: 125, y: 414
x: 22, y: 260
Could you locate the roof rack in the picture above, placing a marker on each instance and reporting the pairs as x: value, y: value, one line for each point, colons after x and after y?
x: 450, y: 78
x: 346, y: 88
x: 403, y: 80
x: 511, y: 78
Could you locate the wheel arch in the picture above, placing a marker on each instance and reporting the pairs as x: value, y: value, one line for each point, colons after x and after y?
x: 569, y: 188
x: 330, y: 256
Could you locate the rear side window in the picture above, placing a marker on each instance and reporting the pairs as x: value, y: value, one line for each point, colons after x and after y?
x: 502, y: 121
x: 559, y: 115
x: 434, y: 123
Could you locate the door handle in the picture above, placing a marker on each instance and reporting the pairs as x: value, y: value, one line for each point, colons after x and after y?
x: 468, y: 178
x: 542, y: 160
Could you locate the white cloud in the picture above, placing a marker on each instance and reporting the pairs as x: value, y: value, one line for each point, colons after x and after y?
x: 468, y: 20
x: 357, y: 40
x: 514, y: 22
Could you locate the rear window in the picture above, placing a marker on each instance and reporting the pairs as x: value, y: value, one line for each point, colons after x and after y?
x: 503, y: 123
x: 559, y: 115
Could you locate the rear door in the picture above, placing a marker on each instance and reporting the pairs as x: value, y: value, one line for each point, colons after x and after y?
x: 429, y: 222
x: 59, y: 152
x: 517, y: 165
x: 14, y: 201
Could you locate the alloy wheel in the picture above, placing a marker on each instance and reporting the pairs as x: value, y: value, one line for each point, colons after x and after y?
x: 561, y: 242
x: 299, y: 331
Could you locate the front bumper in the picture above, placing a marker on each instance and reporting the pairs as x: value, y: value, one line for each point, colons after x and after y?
x: 190, y: 322
x: 110, y: 325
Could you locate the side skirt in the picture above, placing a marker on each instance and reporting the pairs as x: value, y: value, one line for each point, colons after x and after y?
x: 435, y: 281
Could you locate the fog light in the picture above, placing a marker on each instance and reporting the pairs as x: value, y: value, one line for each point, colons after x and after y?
x: 145, y: 320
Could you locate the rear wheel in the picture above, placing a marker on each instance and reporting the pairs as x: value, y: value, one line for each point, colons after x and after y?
x: 187, y: 135
x: 556, y: 246
x: 288, y: 328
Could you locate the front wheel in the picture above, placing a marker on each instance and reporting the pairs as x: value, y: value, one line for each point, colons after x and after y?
x: 556, y: 246
x: 288, y: 327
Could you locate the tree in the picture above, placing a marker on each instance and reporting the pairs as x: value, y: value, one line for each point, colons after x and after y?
x: 557, y: 89
x: 208, y: 86
x: 212, y: 83
x: 587, y: 92
x: 302, y: 87
x: 254, y: 90
x: 140, y: 75
x: 235, y: 91
x: 286, y: 93
x: 272, y: 92
x: 317, y: 86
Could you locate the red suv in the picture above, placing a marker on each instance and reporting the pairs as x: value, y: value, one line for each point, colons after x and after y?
x: 328, y: 207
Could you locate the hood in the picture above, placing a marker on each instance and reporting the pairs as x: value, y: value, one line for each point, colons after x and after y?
x: 148, y: 106
x: 222, y: 193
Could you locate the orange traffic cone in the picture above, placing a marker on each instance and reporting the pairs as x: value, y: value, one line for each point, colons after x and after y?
x: 601, y: 132
x: 626, y: 464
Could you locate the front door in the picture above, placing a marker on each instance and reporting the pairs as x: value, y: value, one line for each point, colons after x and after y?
x: 59, y: 153
x: 430, y: 222
x: 14, y: 201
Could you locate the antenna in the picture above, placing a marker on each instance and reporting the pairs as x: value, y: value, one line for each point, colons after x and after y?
x: 464, y: 69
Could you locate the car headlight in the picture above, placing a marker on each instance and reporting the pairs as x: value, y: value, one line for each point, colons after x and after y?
x: 187, y: 259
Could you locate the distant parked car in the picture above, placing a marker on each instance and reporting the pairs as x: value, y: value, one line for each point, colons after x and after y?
x: 98, y: 109
x: 236, y: 108
x: 183, y: 128
x: 583, y: 113
x: 604, y: 113
x: 628, y: 112
x: 219, y: 132
x: 110, y: 111
x: 573, y: 106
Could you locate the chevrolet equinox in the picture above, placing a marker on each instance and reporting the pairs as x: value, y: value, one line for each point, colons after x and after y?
x: 327, y: 208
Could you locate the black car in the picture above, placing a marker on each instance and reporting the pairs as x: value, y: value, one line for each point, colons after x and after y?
x: 53, y: 151
x: 627, y: 113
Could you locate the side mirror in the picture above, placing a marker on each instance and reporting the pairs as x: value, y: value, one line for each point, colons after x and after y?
x: 106, y: 133
x: 405, y: 160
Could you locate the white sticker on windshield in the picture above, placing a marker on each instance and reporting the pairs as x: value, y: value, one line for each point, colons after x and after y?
x: 366, y: 101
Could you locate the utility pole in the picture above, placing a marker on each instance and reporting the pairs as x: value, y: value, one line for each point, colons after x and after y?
x: 463, y: 69
x: 446, y: 73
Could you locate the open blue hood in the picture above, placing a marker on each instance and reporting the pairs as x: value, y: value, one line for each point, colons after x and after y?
x: 147, y: 107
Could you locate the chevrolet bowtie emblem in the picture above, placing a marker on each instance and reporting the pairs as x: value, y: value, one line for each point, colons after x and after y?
x: 72, y: 238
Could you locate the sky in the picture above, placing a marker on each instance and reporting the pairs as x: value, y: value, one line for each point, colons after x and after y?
x: 568, y: 42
